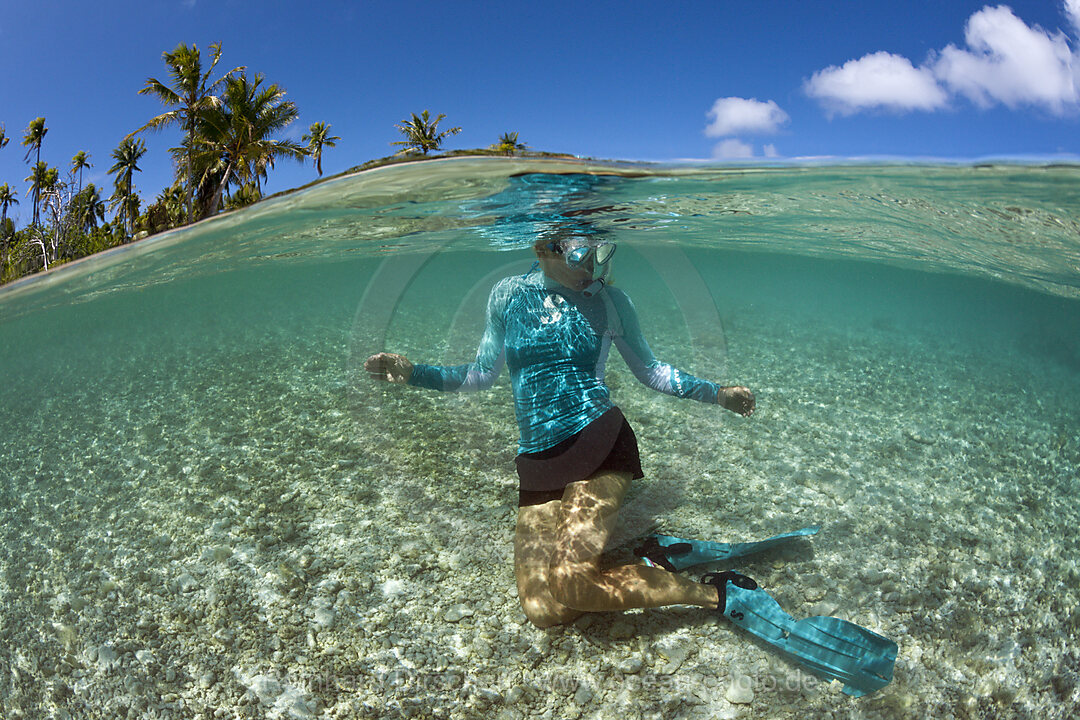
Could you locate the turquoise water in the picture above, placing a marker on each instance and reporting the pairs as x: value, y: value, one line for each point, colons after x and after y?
x: 207, y: 506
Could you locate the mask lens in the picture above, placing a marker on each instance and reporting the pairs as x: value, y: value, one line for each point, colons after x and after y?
x: 581, y: 255
x: 577, y: 256
x: 604, y: 253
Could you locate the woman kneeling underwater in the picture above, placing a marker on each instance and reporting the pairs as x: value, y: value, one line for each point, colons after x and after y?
x: 578, y: 456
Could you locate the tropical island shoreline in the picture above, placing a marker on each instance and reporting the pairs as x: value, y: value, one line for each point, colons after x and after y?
x: 230, y: 141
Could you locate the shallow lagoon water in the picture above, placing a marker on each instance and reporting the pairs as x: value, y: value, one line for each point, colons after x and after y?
x: 208, y: 511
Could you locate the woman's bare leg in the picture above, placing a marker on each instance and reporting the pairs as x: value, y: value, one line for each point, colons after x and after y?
x: 586, y: 517
x: 533, y: 543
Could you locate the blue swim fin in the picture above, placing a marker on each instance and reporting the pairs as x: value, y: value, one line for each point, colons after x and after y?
x: 829, y: 647
x: 674, y: 554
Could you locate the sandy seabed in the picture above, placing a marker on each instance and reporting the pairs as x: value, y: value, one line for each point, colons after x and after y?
x: 270, y: 536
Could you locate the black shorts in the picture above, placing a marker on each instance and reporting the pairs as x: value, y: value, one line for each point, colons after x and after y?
x: 607, y: 443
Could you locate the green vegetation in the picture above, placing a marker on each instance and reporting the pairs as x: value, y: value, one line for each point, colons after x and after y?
x: 192, y: 95
x: 233, y: 145
x: 508, y: 144
x: 35, y: 135
x: 317, y: 137
x: 7, y: 199
x: 79, y: 162
x: 124, y: 199
x: 422, y: 134
x: 229, y: 126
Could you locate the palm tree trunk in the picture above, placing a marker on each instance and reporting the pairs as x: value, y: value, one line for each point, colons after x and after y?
x: 191, y: 139
x: 216, y: 199
x: 127, y: 201
x: 3, y: 244
x: 37, y: 193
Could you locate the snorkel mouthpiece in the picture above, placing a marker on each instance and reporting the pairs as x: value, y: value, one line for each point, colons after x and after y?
x: 594, y: 287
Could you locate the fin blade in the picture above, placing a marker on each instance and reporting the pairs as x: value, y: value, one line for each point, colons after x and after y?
x: 828, y: 647
x: 683, y: 554
x: 860, y: 658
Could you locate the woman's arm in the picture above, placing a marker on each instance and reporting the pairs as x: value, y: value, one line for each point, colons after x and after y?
x: 665, y: 378
x: 477, y: 375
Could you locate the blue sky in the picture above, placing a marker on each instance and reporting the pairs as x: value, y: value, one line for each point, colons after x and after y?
x: 630, y: 80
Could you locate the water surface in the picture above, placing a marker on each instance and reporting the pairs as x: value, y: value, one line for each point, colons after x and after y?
x: 206, y: 504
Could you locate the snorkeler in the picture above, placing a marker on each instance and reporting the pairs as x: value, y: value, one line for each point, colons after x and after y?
x: 577, y: 453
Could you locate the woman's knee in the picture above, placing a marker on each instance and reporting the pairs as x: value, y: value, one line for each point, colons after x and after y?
x: 544, y: 614
x: 570, y: 582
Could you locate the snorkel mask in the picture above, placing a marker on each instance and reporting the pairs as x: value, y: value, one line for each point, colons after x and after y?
x: 595, y: 257
x: 582, y: 253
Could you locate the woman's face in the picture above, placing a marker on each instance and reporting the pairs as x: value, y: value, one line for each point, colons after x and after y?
x: 554, y: 266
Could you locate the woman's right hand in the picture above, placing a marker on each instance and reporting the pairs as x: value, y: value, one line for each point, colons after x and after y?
x: 389, y: 367
x: 737, y: 399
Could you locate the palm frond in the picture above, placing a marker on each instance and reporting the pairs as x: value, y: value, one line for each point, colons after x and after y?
x: 160, y: 122
x: 161, y: 91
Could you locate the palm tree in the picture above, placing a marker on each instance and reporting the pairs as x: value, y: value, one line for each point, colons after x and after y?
x: 50, y: 179
x: 7, y: 199
x: 259, y: 114
x: 422, y: 133
x: 191, y: 93
x: 88, y: 208
x: 233, y: 145
x: 35, y: 134
x: 80, y: 161
x: 3, y: 137
x: 508, y: 143
x: 317, y: 137
x: 32, y: 139
x: 40, y: 179
x: 167, y: 210
x: 244, y: 196
x: 127, y: 158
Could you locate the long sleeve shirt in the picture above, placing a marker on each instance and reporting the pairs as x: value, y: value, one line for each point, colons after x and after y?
x: 555, y: 342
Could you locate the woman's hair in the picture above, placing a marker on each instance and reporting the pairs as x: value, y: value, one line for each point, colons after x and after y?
x: 554, y: 239
x: 544, y: 242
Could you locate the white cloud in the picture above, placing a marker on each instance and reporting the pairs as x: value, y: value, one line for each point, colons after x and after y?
x: 1072, y: 11
x: 881, y: 80
x: 1011, y: 63
x: 1004, y: 61
x: 734, y: 115
x: 770, y: 151
x: 732, y: 149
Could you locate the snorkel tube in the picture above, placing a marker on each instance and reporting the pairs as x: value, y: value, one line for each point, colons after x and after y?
x: 595, y: 286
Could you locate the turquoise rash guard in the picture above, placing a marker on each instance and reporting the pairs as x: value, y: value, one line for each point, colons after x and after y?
x: 555, y: 342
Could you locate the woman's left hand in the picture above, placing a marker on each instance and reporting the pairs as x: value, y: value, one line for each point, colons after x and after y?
x: 737, y: 399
